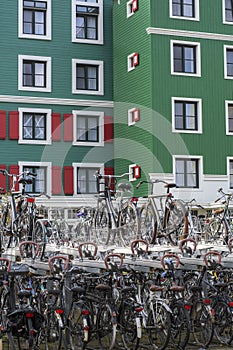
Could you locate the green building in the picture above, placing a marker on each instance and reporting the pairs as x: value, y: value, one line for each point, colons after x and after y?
x: 56, y: 95
x: 173, y: 92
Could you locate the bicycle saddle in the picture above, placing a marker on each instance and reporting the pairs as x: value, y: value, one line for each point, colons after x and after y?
x: 170, y: 185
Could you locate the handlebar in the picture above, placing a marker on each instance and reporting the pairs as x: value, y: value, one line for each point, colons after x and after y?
x: 170, y: 255
x: 136, y: 241
x: 212, y: 252
x: 100, y: 176
x: 60, y: 257
x: 120, y: 257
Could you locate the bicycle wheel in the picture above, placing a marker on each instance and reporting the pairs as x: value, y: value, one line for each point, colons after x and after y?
x: 216, y: 231
x: 159, y: 326
x: 102, y: 226
x: 223, y: 322
x: 106, y: 327
x: 129, y: 223
x: 180, y: 325
x: 148, y: 224
x: 53, y: 336
x: 127, y: 326
x: 176, y: 222
x: 202, y: 326
x: 41, y: 234
x: 76, y: 328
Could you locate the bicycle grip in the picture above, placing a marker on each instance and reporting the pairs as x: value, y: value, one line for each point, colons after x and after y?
x: 139, y: 184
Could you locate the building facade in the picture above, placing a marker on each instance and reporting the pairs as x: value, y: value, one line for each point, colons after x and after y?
x: 173, y: 71
x: 56, y: 95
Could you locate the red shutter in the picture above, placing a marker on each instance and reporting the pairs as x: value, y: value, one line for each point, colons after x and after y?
x: 56, y: 180
x: 68, y: 127
x: 56, y: 126
x: 14, y: 169
x: 135, y: 59
x: 3, y: 179
x: 2, y: 125
x: 136, y: 115
x: 135, y: 5
x: 68, y: 180
x: 110, y: 171
x: 13, y: 125
x: 108, y: 129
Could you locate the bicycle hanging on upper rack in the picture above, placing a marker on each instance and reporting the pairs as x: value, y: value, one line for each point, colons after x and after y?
x: 116, y: 216
x: 162, y: 218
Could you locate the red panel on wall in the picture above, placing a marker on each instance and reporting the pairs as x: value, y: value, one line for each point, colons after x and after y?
x: 56, y: 126
x: 2, y: 125
x: 68, y: 180
x: 14, y: 169
x: 56, y: 180
x: 110, y: 171
x: 108, y: 129
x: 68, y: 127
x: 14, y: 125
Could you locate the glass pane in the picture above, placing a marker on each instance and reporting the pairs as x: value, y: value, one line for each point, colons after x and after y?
x: 92, y: 72
x: 188, y: 11
x: 40, y: 133
x: 80, y: 71
x: 191, y: 166
x: 81, y: 129
x: 191, y: 180
x: 177, y: 51
x: 39, y: 120
x: 28, y: 3
x: 39, y: 17
x: 180, y: 180
x: 27, y: 120
x: 230, y: 125
x: 191, y: 123
x: 39, y: 80
x: 189, y: 67
x: 190, y: 109
x: 230, y: 111
x: 231, y: 166
x: 27, y: 80
x: 80, y: 84
x: 179, y: 166
x: 179, y: 123
x: 189, y: 53
x: 27, y: 132
x: 39, y: 29
x: 27, y: 68
x: 27, y: 28
x: 178, y: 66
x: 230, y: 70
x: 92, y: 180
x: 39, y: 68
x: 81, y: 180
x: 40, y: 180
x: 27, y: 16
x: 229, y: 56
x: 92, y: 84
x: 178, y: 108
x: 176, y: 10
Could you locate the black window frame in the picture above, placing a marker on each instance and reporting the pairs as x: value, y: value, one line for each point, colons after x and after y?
x: 230, y: 117
x: 185, y: 173
x: 182, y: 4
x: 33, y: 75
x: 229, y: 64
x: 228, y: 10
x: 85, y: 77
x: 184, y: 115
x: 183, y: 60
x: 86, y: 15
x: 87, y: 130
x: 87, y: 183
x: 34, y: 127
x: 32, y: 187
x: 35, y: 9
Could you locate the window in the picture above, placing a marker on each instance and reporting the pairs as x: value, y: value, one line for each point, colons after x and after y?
x: 87, y: 21
x: 187, y: 172
x: 34, y: 126
x: 228, y: 11
x: 87, y: 77
x: 42, y: 182
x: 133, y: 116
x: 35, y: 19
x: 185, y: 9
x: 230, y: 172
x: 186, y: 115
x: 84, y: 179
x: 228, y: 62
x: 133, y: 61
x: 88, y: 128
x: 132, y: 6
x: 34, y: 73
x: 185, y: 58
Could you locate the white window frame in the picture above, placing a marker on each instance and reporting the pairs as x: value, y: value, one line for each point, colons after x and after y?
x: 47, y: 165
x: 48, y: 61
x: 228, y: 170
x: 223, y: 14
x: 198, y: 57
x: 197, y: 12
x: 199, y: 115
x: 48, y: 35
x: 226, y: 47
x: 200, y: 158
x: 100, y: 40
x: 129, y: 13
x: 100, y: 64
x: 84, y: 165
x: 100, y: 116
x: 131, y: 120
x: 130, y: 59
x: 227, y: 103
x: 48, y: 112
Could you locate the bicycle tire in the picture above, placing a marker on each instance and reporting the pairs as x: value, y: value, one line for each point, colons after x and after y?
x: 176, y: 222
x: 127, y: 326
x: 148, y: 224
x: 41, y: 237
x: 223, y: 322
x: 180, y: 325
x: 106, y: 327
x: 159, y: 326
x: 216, y: 231
x: 202, y: 326
x: 53, y: 336
x: 102, y: 226
x: 129, y: 223
x: 76, y: 328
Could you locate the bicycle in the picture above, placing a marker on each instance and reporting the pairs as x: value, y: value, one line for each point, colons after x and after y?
x: 196, y: 223
x: 220, y: 228
x: 116, y: 218
x: 162, y: 217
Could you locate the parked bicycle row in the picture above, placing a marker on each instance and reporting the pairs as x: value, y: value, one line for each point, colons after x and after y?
x: 115, y: 301
x: 117, y: 218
